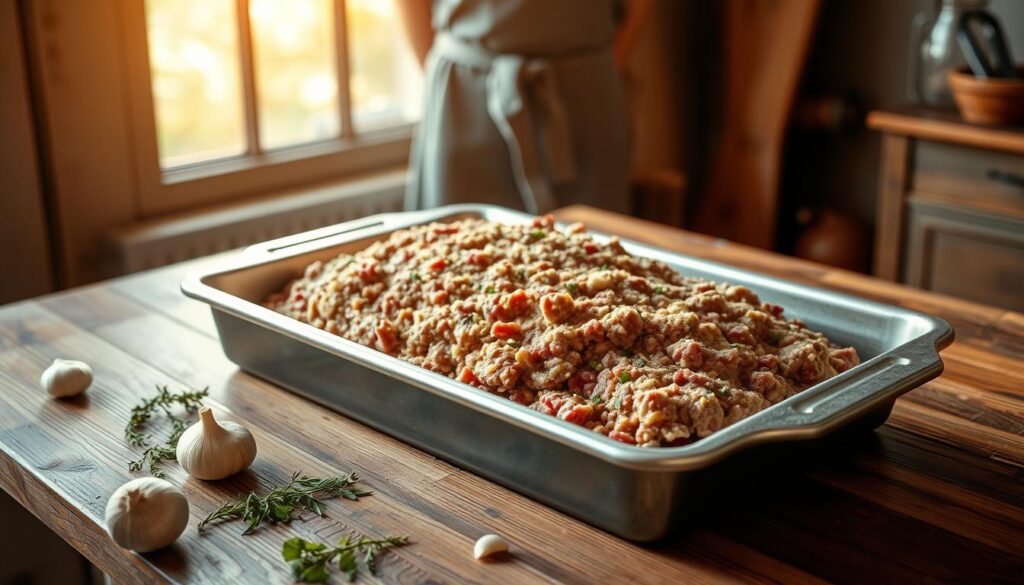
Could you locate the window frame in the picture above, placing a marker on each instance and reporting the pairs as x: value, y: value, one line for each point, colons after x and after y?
x: 256, y: 171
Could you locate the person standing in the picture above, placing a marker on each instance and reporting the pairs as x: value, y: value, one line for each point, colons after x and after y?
x: 524, y: 102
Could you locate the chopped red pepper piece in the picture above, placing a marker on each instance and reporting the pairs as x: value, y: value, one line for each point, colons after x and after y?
x: 622, y: 437
x: 505, y: 330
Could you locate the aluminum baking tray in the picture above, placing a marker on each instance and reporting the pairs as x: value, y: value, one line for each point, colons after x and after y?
x: 638, y: 493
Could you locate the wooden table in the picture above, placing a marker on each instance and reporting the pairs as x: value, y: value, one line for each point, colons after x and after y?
x: 934, y: 495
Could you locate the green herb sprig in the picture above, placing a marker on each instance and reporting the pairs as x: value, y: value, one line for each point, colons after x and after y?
x: 143, y: 412
x: 283, y: 503
x: 310, y: 561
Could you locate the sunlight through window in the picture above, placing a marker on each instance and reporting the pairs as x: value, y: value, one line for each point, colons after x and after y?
x: 297, y: 87
x: 200, y: 92
x: 385, y: 80
x: 197, y: 89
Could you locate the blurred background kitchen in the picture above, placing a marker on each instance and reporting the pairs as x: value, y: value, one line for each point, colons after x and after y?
x: 141, y: 133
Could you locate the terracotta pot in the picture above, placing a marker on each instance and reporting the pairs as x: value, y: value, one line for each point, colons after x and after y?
x: 989, y: 101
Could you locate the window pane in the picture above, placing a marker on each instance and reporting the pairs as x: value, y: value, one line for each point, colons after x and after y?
x: 386, y: 82
x: 297, y: 89
x: 193, y: 55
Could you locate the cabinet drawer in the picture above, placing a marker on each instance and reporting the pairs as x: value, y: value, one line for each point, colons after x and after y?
x: 983, y: 178
x: 965, y: 253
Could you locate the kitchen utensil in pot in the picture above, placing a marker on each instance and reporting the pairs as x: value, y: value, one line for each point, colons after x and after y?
x: 989, y: 55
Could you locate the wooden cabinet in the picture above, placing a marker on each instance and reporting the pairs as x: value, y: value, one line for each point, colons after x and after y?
x: 950, y: 213
x: 965, y: 253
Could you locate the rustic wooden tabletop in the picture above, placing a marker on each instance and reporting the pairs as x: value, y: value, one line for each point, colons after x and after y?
x: 934, y: 495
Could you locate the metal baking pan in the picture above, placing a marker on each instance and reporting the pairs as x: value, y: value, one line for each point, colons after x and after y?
x: 637, y: 493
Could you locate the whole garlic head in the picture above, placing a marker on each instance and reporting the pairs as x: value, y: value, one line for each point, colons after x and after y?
x: 66, y: 378
x: 146, y: 514
x: 215, y: 450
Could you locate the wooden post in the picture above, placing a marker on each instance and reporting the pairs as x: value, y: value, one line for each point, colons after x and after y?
x: 892, y: 186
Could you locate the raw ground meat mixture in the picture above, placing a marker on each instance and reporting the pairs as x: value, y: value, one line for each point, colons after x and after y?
x: 569, y: 326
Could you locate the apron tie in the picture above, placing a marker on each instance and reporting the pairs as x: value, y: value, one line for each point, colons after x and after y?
x: 525, y: 105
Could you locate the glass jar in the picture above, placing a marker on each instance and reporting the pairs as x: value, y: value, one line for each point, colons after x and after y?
x: 934, y: 51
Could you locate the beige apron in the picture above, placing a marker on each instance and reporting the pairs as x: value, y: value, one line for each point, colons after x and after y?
x: 524, y: 107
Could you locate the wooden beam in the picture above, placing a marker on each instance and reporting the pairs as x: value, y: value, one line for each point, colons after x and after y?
x: 892, y: 187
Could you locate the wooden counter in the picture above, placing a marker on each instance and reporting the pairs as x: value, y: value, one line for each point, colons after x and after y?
x: 936, y: 494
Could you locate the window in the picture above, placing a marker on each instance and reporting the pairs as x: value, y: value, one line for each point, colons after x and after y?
x: 236, y: 97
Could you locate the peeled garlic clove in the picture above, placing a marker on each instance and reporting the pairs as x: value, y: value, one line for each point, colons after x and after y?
x: 146, y: 514
x: 66, y: 378
x: 488, y: 545
x: 215, y: 450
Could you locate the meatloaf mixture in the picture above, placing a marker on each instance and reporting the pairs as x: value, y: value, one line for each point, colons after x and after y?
x: 569, y: 326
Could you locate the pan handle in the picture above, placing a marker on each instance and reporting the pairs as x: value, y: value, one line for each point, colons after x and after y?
x: 828, y: 405
x: 298, y: 243
x: 889, y: 377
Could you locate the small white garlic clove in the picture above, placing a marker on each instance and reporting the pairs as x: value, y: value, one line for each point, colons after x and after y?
x: 488, y: 545
x: 215, y: 450
x: 66, y: 378
x: 146, y: 514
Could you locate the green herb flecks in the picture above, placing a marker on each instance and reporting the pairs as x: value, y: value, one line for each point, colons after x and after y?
x: 596, y: 399
x: 414, y: 276
x: 142, y: 413
x: 283, y: 503
x: 310, y: 561
x: 624, y: 377
x: 538, y: 234
x: 659, y: 290
x: 596, y: 365
x: 490, y: 290
x: 571, y: 287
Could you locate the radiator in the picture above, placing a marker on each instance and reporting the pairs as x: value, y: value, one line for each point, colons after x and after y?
x: 159, y: 242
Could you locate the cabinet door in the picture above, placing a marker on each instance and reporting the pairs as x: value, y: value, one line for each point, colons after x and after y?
x: 966, y: 253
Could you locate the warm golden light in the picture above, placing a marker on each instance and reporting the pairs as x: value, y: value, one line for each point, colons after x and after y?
x: 296, y: 72
x: 195, y: 60
x: 193, y: 54
x: 386, y: 83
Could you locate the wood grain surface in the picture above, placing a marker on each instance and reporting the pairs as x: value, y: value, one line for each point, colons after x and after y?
x: 765, y: 47
x: 934, y: 495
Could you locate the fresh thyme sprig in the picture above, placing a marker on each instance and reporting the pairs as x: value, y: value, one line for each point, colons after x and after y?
x: 310, y: 561
x: 141, y: 414
x: 282, y: 503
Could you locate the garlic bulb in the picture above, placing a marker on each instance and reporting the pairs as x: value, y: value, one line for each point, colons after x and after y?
x: 213, y: 450
x: 488, y: 545
x: 146, y: 514
x: 66, y: 378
